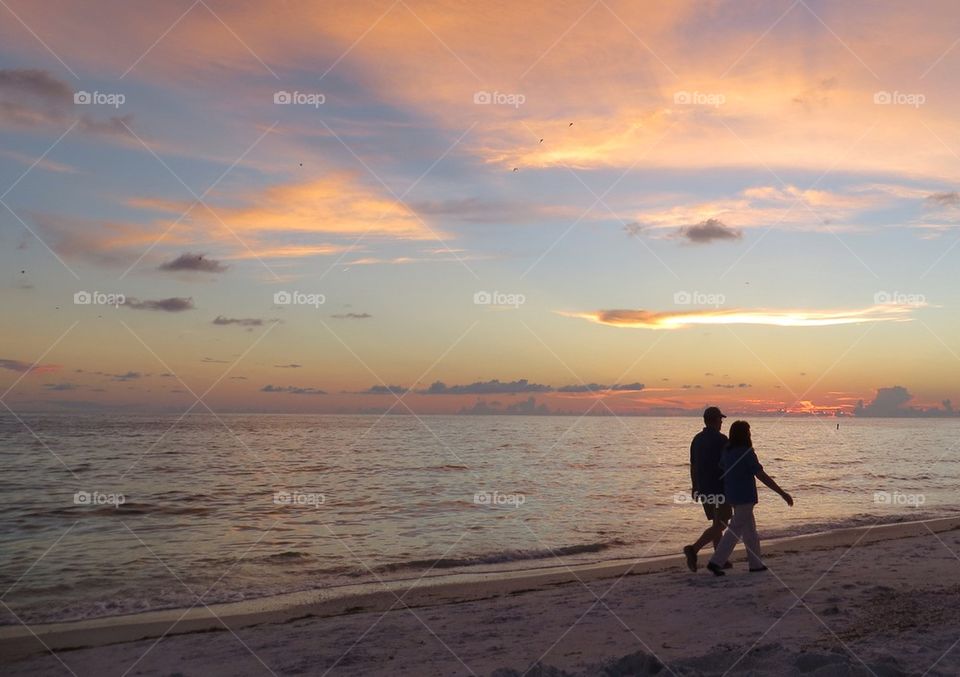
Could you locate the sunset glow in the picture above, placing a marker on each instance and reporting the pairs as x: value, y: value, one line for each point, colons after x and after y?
x: 411, y: 193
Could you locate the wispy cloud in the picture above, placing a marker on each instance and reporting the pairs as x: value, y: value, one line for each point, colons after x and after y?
x: 382, y: 390
x: 760, y: 206
x: 19, y: 366
x: 945, y: 199
x: 498, y: 387
x: 33, y: 98
x: 481, y: 210
x: 241, y: 321
x: 288, y: 251
x: 35, y: 83
x: 60, y: 387
x: 352, y: 316
x: 45, y: 163
x: 596, y: 387
x: 441, y: 255
x: 486, y: 388
x: 650, y: 319
x: 338, y: 203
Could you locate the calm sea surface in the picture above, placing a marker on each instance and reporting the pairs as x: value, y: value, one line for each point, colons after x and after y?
x: 109, y: 515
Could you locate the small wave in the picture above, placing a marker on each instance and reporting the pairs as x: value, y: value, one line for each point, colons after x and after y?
x: 859, y: 520
x: 124, y: 509
x: 287, y: 556
x: 499, y: 557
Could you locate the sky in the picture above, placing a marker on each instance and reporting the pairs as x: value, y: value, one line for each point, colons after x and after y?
x: 407, y: 206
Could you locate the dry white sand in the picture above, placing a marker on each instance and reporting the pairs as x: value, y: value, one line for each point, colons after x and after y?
x: 880, y: 601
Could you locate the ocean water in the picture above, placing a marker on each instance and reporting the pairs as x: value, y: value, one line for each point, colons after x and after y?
x: 106, y: 515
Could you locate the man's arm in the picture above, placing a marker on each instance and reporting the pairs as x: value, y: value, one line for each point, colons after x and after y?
x: 766, y: 479
x: 693, y: 475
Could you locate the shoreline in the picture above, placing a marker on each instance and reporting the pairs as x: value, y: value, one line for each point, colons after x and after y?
x: 19, y: 641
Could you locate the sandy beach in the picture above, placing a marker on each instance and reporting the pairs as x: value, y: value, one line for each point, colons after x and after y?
x: 871, y: 601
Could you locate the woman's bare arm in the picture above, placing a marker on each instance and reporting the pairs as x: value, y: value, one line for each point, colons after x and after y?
x: 769, y: 481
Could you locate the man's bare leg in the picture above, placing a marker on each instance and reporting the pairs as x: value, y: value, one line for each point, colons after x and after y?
x: 710, y: 535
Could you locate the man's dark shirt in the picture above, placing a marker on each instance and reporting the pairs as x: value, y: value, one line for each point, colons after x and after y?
x: 706, y: 449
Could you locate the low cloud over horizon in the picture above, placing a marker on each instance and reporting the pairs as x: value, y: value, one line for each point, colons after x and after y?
x: 892, y: 403
x: 527, y: 407
x: 497, y: 387
x: 292, y: 390
x: 22, y: 367
x: 241, y: 321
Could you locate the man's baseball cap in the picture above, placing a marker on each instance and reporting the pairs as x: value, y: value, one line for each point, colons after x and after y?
x: 711, y: 413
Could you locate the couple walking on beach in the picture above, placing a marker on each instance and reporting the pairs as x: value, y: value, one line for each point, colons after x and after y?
x: 723, y: 473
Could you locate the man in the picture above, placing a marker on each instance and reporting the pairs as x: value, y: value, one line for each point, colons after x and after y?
x: 706, y: 478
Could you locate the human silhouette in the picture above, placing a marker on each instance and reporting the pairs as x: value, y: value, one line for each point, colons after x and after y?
x: 741, y: 469
x: 706, y: 478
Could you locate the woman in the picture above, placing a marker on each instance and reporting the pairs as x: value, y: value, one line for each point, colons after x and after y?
x: 741, y: 469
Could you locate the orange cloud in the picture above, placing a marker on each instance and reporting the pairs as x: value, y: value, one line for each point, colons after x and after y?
x: 649, y: 319
x: 760, y: 207
x: 293, y: 251
x: 643, y: 81
x: 336, y: 204
x: 24, y: 367
x: 282, y: 221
